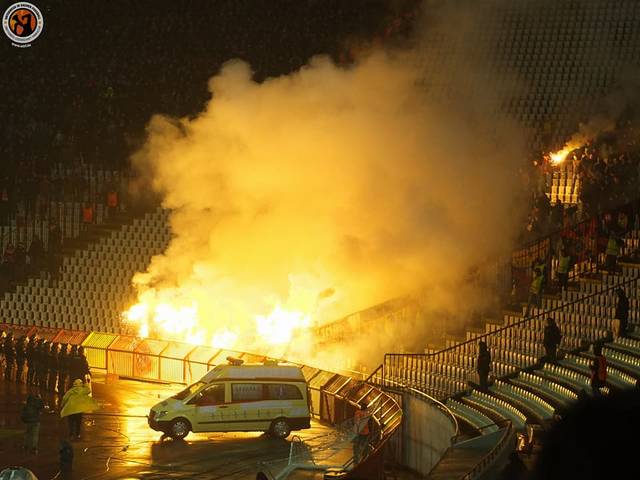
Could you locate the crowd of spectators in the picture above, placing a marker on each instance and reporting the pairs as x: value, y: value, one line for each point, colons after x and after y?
x: 605, y: 177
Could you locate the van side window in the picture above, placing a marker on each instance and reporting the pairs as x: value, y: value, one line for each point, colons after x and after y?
x: 246, y: 392
x: 283, y: 392
x: 214, y: 395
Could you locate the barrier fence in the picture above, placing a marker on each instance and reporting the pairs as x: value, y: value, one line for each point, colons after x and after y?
x: 333, y: 397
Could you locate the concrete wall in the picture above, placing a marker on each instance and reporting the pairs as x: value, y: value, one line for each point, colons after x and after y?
x: 426, y: 434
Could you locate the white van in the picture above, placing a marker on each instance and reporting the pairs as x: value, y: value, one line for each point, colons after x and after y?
x: 238, y: 398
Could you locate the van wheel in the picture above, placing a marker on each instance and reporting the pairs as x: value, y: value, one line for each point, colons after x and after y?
x: 280, y: 428
x: 179, y: 428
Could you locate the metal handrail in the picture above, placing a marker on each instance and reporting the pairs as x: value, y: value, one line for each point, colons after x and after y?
x: 425, y: 396
x: 516, y: 324
x: 440, y: 405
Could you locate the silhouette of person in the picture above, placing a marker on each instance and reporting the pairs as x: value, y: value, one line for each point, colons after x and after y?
x: 20, y: 21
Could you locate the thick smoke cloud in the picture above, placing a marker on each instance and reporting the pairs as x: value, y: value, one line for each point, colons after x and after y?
x: 329, y: 190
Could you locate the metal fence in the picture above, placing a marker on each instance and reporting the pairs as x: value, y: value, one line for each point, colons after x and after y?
x: 418, y: 370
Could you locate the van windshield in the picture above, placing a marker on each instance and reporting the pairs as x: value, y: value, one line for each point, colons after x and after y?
x: 190, y: 390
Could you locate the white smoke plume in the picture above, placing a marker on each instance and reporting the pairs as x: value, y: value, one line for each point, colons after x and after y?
x: 323, y: 192
x: 327, y: 190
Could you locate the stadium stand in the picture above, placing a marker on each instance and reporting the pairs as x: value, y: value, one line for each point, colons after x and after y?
x: 94, y: 285
x: 553, y: 45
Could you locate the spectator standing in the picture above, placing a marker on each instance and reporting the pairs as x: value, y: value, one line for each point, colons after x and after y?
x: 557, y: 212
x: 30, y: 416
x: 535, y: 290
x: 598, y: 370
x: 112, y: 202
x: 87, y: 216
x: 613, y: 252
x: 621, y: 319
x: 564, y: 267
x: 551, y: 339
x: 75, y: 403
x: 483, y: 365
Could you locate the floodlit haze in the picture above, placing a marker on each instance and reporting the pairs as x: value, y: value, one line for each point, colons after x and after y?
x: 322, y: 192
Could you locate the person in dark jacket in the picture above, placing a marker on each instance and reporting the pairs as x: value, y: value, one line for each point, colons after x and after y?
x: 622, y: 313
x: 63, y: 369
x: 551, y: 339
x: 52, y: 365
x: 30, y: 350
x: 598, y: 370
x: 20, y: 358
x: 31, y: 418
x: 78, y: 365
x: 484, y: 365
x: 42, y: 354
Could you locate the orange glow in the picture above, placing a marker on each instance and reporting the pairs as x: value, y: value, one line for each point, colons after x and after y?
x: 280, y: 325
x: 186, y: 316
x: 560, y: 156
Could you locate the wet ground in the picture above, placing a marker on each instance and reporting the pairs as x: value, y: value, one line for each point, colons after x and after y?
x: 116, y: 442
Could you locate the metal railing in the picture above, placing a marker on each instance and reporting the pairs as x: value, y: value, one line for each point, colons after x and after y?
x: 377, y: 378
x: 398, y: 362
x: 585, y: 241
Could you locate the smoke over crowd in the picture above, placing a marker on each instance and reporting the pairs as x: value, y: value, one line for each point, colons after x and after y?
x: 305, y: 197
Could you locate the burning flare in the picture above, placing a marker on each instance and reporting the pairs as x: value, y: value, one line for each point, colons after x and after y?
x: 177, y: 314
x: 560, y: 156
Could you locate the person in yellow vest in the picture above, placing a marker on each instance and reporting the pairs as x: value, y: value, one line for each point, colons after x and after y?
x: 361, y: 420
x: 75, y: 402
x: 564, y: 267
x: 535, y: 290
x: 612, y: 252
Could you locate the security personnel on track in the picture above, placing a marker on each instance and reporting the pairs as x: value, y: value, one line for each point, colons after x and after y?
x: 9, y: 356
x: 20, y: 358
x: 42, y: 354
x: 30, y: 354
x: 52, y: 365
x: 63, y: 368
x: 79, y: 367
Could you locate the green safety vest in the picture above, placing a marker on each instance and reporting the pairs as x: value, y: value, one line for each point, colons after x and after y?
x: 612, y: 247
x: 563, y: 264
x: 536, y: 285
